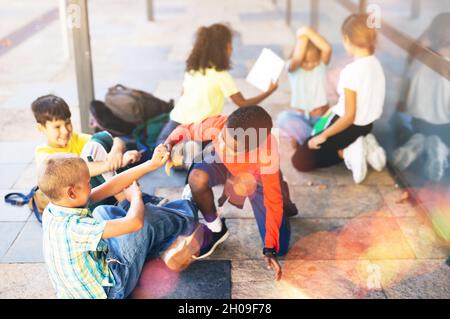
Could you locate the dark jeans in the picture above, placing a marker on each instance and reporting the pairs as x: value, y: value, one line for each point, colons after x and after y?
x: 428, y: 129
x: 218, y: 175
x: 165, y: 132
x: 128, y: 253
x: 306, y: 159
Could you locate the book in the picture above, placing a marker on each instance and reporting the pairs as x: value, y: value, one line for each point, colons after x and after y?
x: 266, y: 69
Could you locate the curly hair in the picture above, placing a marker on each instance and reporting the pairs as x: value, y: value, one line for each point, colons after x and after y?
x: 210, y: 49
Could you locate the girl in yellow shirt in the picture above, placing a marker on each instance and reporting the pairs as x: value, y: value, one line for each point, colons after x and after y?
x: 207, y: 81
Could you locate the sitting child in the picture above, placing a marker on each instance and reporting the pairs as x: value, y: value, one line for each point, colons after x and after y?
x: 101, y: 254
x: 307, y: 73
x: 207, y: 81
x: 245, y: 159
x: 343, y: 133
x: 102, y: 153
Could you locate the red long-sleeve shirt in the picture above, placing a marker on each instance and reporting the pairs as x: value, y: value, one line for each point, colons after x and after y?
x: 264, y: 166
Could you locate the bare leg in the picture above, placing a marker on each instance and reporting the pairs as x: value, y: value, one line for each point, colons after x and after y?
x: 202, y: 194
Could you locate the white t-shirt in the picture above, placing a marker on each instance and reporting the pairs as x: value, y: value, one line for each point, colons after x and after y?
x: 433, y: 103
x: 308, y: 88
x: 203, y: 95
x: 365, y: 76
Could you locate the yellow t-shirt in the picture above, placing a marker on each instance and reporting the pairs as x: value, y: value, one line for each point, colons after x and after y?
x: 203, y: 95
x: 74, y: 146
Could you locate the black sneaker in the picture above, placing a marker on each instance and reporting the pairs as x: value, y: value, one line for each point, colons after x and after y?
x: 211, y: 240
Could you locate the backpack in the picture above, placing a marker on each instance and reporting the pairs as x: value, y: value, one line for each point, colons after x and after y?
x: 135, y: 106
x: 105, y: 120
x: 147, y: 133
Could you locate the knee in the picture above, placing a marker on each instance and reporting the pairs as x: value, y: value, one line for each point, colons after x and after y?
x: 198, y: 180
x: 283, y: 118
x: 301, y: 162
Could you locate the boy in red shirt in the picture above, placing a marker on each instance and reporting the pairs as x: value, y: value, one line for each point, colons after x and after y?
x: 245, y: 159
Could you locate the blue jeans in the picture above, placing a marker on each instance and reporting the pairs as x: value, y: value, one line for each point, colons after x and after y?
x: 296, y: 125
x: 128, y: 253
x: 218, y: 175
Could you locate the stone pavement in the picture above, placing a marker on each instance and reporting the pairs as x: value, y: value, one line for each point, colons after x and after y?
x: 348, y: 241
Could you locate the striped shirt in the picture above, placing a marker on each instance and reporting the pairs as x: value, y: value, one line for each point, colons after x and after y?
x: 75, y: 253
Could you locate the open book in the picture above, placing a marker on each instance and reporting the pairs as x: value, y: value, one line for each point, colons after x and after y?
x: 266, y: 69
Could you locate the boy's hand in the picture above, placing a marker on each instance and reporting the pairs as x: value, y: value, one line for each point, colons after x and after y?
x: 132, y: 192
x: 130, y: 157
x: 160, y: 156
x: 272, y: 263
x: 115, y: 160
x: 316, y: 141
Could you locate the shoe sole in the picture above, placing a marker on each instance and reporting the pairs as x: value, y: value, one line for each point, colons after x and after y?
x: 209, y: 253
x: 179, y: 255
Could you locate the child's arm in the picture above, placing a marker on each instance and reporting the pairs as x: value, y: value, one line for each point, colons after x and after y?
x: 119, y: 182
x: 319, y: 41
x: 341, y: 124
x: 116, y: 154
x: 133, y: 221
x: 240, y: 100
x: 299, y: 53
x: 98, y: 167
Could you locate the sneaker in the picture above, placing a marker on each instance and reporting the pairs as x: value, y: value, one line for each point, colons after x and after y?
x: 179, y: 254
x: 211, y: 240
x: 187, y: 193
x: 376, y: 156
x: 405, y: 155
x: 437, y: 158
x: 355, y: 159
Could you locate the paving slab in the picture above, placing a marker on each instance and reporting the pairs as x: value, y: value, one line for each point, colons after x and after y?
x: 369, y: 236
x: 27, y: 247
x: 11, y: 213
x: 335, y: 201
x: 209, y: 279
x: 10, y: 173
x: 426, y: 279
x: 25, y: 281
x: 17, y: 153
x: 28, y: 178
x: 8, y: 233
x: 304, y: 279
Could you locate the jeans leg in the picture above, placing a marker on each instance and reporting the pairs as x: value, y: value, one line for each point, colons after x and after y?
x: 165, y: 132
x: 128, y: 253
x: 295, y: 125
x: 259, y: 210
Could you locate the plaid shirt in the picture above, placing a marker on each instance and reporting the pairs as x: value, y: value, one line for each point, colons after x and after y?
x: 74, y: 252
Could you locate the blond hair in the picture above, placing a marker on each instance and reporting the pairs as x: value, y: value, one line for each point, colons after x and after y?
x: 359, y: 33
x: 59, y: 171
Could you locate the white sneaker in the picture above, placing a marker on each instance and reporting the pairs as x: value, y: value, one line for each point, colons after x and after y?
x: 437, y: 158
x: 178, y: 256
x: 409, y: 152
x: 376, y: 156
x: 355, y: 159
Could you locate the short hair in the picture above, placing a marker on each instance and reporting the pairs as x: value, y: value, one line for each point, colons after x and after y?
x: 210, y: 49
x: 251, y: 117
x: 58, y: 171
x: 50, y: 107
x: 359, y: 33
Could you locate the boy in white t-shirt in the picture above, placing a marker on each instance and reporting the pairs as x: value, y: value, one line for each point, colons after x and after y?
x: 307, y: 71
x: 344, y: 132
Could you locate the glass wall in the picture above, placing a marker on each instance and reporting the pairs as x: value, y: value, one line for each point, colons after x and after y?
x: 414, y: 49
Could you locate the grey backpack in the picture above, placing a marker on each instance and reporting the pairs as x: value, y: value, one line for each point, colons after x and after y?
x: 135, y: 106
